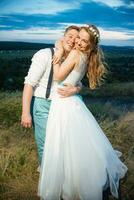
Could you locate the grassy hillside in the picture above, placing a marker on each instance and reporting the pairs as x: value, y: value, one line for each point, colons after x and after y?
x: 18, y: 162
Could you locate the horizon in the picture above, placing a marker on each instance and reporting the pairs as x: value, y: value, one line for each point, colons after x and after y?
x: 45, y: 21
x: 53, y: 44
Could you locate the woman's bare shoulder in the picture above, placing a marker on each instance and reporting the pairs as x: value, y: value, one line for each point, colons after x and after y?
x: 74, y: 54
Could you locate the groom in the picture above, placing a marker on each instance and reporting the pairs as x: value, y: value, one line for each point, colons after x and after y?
x: 35, y: 102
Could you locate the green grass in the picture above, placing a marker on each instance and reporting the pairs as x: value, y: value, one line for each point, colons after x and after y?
x: 125, y: 89
x: 18, y: 161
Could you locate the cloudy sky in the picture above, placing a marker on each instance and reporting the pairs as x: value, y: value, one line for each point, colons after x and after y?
x: 45, y: 20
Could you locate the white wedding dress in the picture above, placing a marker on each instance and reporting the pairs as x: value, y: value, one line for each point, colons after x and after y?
x: 78, y: 161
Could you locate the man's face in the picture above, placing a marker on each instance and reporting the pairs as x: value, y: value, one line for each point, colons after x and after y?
x: 69, y: 39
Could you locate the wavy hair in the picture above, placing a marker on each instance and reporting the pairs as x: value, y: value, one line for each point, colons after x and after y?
x: 97, y: 68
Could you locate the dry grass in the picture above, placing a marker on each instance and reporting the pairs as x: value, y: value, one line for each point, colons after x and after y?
x: 18, y: 161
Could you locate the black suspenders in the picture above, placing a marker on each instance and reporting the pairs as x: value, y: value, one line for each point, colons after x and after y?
x: 50, y: 77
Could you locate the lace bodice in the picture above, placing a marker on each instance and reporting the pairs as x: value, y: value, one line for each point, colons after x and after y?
x: 78, y: 72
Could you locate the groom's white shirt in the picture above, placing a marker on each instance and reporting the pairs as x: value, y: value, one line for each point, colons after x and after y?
x: 38, y: 73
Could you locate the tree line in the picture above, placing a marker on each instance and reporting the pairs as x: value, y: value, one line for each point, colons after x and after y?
x: 13, y: 69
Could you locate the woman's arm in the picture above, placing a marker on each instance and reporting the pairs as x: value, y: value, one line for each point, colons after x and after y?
x: 62, y: 70
x: 58, y: 52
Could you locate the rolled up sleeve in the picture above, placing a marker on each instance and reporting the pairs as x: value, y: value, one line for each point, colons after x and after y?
x: 37, y: 67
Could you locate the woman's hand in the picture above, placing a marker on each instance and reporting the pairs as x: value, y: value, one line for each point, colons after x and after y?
x: 59, y: 51
x: 57, y: 56
x: 26, y: 120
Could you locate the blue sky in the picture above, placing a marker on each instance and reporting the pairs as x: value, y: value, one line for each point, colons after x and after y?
x: 45, y: 20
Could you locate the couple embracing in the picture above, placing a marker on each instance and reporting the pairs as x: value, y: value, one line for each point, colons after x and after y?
x: 77, y: 161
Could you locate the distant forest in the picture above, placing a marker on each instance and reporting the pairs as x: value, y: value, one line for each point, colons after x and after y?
x: 15, y: 59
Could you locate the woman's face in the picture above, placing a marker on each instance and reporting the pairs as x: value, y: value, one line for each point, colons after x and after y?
x: 82, y: 42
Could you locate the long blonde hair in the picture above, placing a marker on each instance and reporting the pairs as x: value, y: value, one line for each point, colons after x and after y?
x: 96, y: 69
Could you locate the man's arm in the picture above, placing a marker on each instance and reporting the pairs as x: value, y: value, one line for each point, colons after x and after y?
x: 26, y: 119
x: 37, y: 67
x: 67, y: 91
x: 35, y: 73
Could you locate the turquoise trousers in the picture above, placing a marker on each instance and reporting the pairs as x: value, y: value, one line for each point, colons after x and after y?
x: 39, y: 110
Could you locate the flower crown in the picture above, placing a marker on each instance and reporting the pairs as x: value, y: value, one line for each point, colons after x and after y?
x: 94, y: 32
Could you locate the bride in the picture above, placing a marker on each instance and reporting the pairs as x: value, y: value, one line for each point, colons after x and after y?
x: 78, y: 160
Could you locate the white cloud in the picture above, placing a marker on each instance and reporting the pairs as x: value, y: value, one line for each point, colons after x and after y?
x: 130, y: 23
x: 39, y: 7
x: 4, y: 26
x: 65, y: 25
x: 111, y: 3
x: 116, y: 35
x: 53, y: 7
x: 31, y: 34
x: 131, y: 5
x: 48, y: 35
x: 115, y: 3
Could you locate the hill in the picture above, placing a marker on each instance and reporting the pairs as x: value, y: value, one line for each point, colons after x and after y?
x: 9, y: 45
x: 127, y: 50
x: 23, y: 45
x: 15, y: 59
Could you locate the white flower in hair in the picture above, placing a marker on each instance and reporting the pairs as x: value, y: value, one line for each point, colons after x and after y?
x: 94, y: 32
x: 91, y: 29
x: 86, y: 25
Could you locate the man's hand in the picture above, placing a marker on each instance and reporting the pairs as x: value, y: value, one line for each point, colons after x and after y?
x: 26, y: 120
x: 67, y: 91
